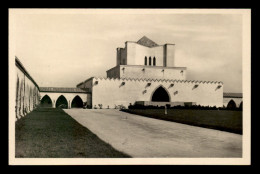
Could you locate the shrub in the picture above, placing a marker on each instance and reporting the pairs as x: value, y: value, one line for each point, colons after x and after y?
x: 100, y: 106
x: 196, y: 107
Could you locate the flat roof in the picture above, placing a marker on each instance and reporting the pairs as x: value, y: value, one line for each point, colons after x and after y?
x: 64, y: 90
x: 232, y: 94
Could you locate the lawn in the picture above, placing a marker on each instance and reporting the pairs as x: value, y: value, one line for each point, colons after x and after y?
x: 224, y: 120
x: 51, y: 133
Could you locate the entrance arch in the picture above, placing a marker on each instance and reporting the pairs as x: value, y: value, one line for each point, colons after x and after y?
x: 160, y: 95
x: 62, y: 102
x: 77, y: 102
x: 46, y: 102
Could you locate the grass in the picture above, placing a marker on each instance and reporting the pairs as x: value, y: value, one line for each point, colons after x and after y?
x: 51, y: 133
x: 224, y: 120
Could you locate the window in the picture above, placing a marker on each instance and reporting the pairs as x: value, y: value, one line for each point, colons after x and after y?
x: 154, y: 61
x: 145, y: 60
x: 150, y: 61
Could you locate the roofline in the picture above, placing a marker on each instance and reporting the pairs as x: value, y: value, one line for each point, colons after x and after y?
x: 19, y: 64
x: 66, y: 92
x: 146, y: 66
x: 84, y: 81
x: 232, y: 96
x: 113, y: 68
x: 158, y: 80
x: 42, y: 90
x: 152, y: 46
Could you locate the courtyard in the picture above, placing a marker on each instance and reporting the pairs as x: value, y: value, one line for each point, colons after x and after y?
x: 143, y: 137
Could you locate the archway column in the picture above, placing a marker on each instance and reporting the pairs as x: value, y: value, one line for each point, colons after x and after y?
x: 53, y: 104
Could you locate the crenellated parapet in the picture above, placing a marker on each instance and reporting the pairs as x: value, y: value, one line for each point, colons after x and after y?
x: 159, y: 80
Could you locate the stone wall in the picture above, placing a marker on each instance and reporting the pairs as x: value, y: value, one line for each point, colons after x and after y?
x: 111, y: 92
x: 27, y: 91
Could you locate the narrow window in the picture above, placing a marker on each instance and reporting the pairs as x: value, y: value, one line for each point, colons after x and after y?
x: 154, y: 61
x: 150, y: 61
x: 145, y: 60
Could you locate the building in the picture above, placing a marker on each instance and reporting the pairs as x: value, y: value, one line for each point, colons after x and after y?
x: 146, y: 74
x: 232, y: 100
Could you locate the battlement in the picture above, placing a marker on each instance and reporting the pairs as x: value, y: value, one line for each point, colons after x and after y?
x: 159, y: 80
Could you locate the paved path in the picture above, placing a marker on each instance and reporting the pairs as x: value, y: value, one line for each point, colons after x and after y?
x: 146, y: 137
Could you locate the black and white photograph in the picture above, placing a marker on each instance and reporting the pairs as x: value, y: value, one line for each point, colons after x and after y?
x: 129, y: 86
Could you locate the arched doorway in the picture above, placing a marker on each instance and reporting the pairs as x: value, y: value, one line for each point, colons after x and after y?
x: 231, y: 104
x: 62, y: 102
x: 46, y: 102
x: 160, y: 95
x: 77, y: 102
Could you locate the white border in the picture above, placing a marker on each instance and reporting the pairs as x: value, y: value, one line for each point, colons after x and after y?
x: 245, y: 160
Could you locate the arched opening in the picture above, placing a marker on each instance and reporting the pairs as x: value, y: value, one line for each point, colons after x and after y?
x: 145, y: 60
x: 150, y: 61
x: 154, y: 61
x: 160, y: 95
x: 46, y: 102
x: 231, y: 104
x: 77, y: 102
x: 241, y: 105
x: 62, y: 102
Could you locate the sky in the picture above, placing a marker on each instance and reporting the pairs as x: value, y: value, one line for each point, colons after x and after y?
x: 64, y: 49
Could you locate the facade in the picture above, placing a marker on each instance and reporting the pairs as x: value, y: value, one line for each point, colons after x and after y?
x: 146, y: 73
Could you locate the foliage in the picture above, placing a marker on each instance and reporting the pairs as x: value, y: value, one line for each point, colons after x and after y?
x: 226, y: 120
x: 193, y: 107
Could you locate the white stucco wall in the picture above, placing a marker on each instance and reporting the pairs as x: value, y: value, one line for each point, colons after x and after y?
x: 133, y: 71
x: 110, y: 92
x: 69, y: 97
x: 27, y: 94
x: 170, y: 55
x: 136, y: 54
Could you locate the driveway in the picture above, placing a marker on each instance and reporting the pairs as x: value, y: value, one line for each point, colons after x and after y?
x: 140, y: 136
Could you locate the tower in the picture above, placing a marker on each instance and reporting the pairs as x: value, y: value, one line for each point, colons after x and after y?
x: 146, y: 59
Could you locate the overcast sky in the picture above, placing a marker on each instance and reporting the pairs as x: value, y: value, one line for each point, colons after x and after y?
x: 62, y: 50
